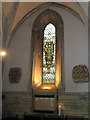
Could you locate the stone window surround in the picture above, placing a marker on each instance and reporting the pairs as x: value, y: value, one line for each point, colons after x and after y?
x: 48, y: 16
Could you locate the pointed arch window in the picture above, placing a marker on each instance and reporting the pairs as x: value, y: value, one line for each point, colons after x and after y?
x: 48, y: 50
x: 49, y: 54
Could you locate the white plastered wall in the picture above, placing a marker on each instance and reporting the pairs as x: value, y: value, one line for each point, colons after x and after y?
x: 75, y: 51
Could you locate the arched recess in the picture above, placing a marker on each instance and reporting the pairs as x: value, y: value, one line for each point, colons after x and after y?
x: 48, y: 16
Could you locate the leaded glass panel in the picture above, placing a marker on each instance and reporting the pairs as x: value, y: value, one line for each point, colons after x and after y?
x: 49, y: 54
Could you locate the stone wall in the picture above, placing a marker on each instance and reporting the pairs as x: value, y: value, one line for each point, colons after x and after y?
x: 16, y: 103
x: 19, y: 103
x: 75, y: 104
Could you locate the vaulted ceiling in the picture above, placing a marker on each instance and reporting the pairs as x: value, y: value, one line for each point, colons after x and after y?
x: 13, y: 12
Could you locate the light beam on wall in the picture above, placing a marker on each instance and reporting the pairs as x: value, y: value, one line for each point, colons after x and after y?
x: 46, y: 88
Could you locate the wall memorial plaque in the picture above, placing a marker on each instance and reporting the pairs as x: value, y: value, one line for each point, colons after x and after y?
x: 15, y: 74
x: 80, y: 73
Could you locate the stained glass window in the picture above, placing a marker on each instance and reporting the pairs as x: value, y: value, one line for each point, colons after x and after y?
x: 49, y: 54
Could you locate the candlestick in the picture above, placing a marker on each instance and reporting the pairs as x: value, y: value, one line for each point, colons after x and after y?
x: 59, y: 110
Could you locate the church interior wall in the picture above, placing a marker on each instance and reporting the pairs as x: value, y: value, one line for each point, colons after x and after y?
x: 75, y: 53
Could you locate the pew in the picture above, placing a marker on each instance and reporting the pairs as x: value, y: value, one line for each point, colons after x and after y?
x: 43, y: 117
x: 74, y: 118
x: 10, y: 118
x: 32, y: 117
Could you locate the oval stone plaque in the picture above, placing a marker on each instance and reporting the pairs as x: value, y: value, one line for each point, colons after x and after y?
x: 80, y: 73
x: 15, y: 74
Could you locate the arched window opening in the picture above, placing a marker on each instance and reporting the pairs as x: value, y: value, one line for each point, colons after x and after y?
x: 48, y: 51
x: 49, y: 54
